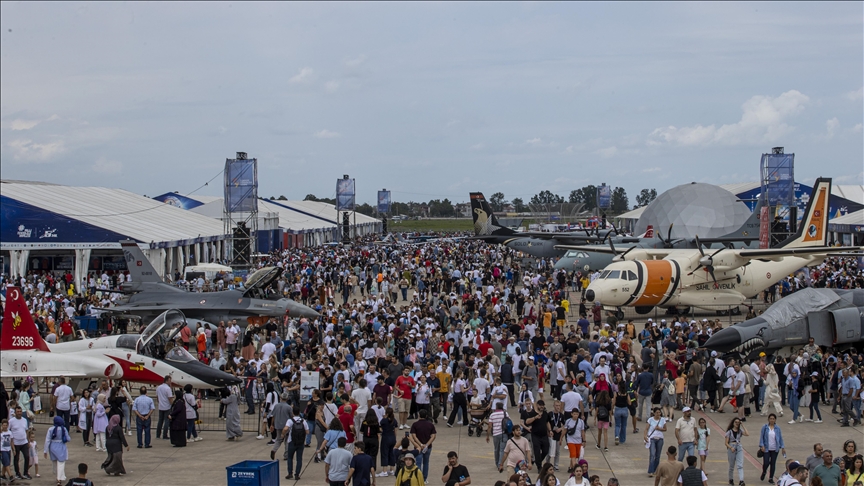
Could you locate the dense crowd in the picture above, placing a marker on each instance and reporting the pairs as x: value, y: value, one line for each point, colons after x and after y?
x: 469, y: 334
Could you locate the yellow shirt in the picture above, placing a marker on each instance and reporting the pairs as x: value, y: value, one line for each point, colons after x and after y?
x: 445, y: 379
x: 547, y: 319
x: 566, y: 305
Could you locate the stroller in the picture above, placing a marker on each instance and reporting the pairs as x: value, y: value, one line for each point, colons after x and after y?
x: 479, y: 413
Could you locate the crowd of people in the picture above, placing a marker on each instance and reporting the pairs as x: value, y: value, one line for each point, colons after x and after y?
x: 463, y: 332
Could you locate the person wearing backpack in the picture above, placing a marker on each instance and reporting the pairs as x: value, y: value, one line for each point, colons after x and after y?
x: 294, y: 433
x: 498, y: 425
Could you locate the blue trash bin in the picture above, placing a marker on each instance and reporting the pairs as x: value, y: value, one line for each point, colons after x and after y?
x: 253, y: 473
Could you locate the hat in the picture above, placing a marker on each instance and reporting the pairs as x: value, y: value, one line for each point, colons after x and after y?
x: 408, y: 455
x: 794, y: 465
x: 814, y: 374
x: 654, y: 324
x: 762, y: 354
x: 685, y: 409
x: 713, y: 353
x: 662, y: 320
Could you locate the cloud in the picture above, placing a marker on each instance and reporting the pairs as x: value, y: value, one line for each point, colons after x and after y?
x: 607, y: 152
x: 857, y: 128
x: 331, y: 86
x: 764, y: 120
x: 23, y: 124
x: 478, y: 146
x: 831, y: 127
x: 539, y: 142
x: 27, y: 150
x: 356, y: 62
x: 104, y: 166
x: 305, y: 76
x: 652, y: 169
x: 856, y: 95
x: 327, y: 134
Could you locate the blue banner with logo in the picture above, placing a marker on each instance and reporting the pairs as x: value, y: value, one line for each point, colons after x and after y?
x: 778, y: 178
x: 241, y: 185
x: 383, y: 201
x: 345, y: 194
x: 604, y: 196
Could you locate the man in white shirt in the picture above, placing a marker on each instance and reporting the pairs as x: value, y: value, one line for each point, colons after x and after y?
x: 18, y: 428
x: 499, y: 394
x: 571, y: 400
x: 62, y: 401
x: 363, y: 397
x: 267, y: 349
x: 482, y: 385
x: 164, y: 396
x: 685, y: 432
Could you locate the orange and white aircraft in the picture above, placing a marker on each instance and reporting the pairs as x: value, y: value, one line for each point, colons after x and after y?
x: 132, y: 357
x: 648, y: 278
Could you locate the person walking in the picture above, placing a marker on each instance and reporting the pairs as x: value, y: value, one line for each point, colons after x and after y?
x: 497, y: 432
x: 280, y: 414
x: 294, y: 433
x: 691, y: 475
x: 422, y: 435
x: 654, y: 439
x: 460, y: 386
x: 115, y: 442
x: 85, y: 416
x: 143, y: 407
x: 338, y: 463
x: 62, y: 401
x: 55, y: 446
x: 735, y: 450
x: 517, y: 453
x: 370, y: 428
x: 164, y: 396
x: 669, y: 470
x: 772, y: 392
x: 685, y: 432
x: 233, y: 430
x: 770, y: 443
x: 192, y: 406
x: 815, y: 390
x: 388, y: 442
x: 100, y: 422
x: 574, y: 431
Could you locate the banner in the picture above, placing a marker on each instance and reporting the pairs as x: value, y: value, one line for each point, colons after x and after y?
x: 345, y: 194
x: 604, y: 196
x: 241, y: 185
x: 309, y: 380
x: 778, y: 178
x: 383, y: 201
x: 764, y: 227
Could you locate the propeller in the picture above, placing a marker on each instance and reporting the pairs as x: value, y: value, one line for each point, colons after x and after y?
x: 706, y: 261
x: 668, y: 242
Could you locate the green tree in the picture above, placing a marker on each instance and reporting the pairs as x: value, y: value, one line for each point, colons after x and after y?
x: 519, y: 205
x: 282, y: 198
x: 366, y: 209
x: 586, y: 195
x: 546, y: 197
x: 620, y: 203
x: 497, y: 201
x: 310, y: 197
x: 645, y: 197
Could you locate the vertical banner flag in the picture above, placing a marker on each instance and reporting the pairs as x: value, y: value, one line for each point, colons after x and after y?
x: 604, y: 196
x: 383, y: 201
x: 764, y: 227
x: 241, y: 185
x: 778, y: 178
x: 345, y: 194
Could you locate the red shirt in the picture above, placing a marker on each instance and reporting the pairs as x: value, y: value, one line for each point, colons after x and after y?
x: 405, y: 384
x: 347, y: 420
x: 484, y: 348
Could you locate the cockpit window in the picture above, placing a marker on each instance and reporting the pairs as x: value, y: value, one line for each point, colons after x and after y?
x: 624, y: 276
x: 631, y: 275
x: 179, y: 355
x: 572, y: 254
x: 604, y: 274
x: 614, y: 274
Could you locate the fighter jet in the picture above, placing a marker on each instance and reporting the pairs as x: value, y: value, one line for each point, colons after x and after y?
x: 139, y: 358
x: 833, y: 318
x: 151, y: 297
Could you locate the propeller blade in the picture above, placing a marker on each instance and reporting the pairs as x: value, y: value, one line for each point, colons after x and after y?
x: 669, y: 233
x: 694, y: 270
x: 710, y: 269
x: 699, y: 246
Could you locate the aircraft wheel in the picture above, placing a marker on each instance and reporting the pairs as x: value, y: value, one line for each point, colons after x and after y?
x: 619, y: 314
x: 643, y: 309
x: 736, y: 311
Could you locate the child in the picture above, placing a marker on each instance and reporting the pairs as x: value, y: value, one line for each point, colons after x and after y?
x: 81, y: 480
x: 34, y: 454
x: 6, y: 451
x: 704, y: 438
x: 73, y: 412
x: 680, y: 386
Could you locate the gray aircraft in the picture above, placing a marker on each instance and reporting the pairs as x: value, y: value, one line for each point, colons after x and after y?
x: 833, y: 318
x: 538, y: 244
x: 150, y: 296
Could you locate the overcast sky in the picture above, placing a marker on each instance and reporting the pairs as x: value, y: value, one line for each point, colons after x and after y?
x: 429, y: 100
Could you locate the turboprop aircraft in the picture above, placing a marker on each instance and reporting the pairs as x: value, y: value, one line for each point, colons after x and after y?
x: 150, y: 296
x: 139, y: 358
x: 538, y: 244
x: 833, y: 318
x: 645, y: 278
x: 584, y: 260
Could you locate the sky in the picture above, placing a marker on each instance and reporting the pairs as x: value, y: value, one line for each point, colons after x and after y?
x: 428, y: 100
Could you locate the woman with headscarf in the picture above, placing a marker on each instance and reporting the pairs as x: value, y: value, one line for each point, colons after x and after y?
x: 232, y: 413
x: 100, y: 422
x: 772, y: 392
x: 55, y: 445
x: 177, y: 416
x: 115, y: 443
x: 192, y: 406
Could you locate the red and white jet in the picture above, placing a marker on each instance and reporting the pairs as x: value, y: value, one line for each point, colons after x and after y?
x: 132, y: 357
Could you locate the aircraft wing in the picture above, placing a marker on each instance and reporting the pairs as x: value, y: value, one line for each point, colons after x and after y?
x: 49, y: 373
x: 132, y: 309
x: 592, y: 248
x: 773, y: 253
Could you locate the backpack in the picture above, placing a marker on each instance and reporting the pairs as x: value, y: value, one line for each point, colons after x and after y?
x: 298, y: 432
x: 508, y: 427
x: 602, y: 413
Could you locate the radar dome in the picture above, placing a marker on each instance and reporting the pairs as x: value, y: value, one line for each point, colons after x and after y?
x: 695, y: 209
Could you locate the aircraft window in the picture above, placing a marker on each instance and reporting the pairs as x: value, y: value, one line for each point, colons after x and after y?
x: 614, y: 274
x: 631, y: 275
x: 604, y: 274
x: 582, y: 255
x: 623, y: 275
x: 179, y: 355
x: 572, y: 254
x: 127, y: 341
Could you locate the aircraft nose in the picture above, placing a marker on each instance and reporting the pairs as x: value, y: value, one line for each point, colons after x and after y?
x: 724, y: 341
x: 589, y: 295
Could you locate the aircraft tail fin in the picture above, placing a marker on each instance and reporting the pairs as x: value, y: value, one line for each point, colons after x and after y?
x: 139, y: 266
x: 19, y: 330
x: 649, y: 232
x: 750, y: 228
x: 485, y: 222
x: 813, y: 228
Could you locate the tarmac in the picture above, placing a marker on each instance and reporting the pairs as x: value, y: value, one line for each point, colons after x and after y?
x: 205, y: 462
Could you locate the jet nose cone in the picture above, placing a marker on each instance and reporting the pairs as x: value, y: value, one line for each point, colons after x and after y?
x: 589, y: 295
x: 724, y: 341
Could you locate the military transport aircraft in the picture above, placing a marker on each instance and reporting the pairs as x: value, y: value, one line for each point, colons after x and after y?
x: 150, y: 296
x: 645, y: 278
x: 834, y: 318
x: 139, y: 358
